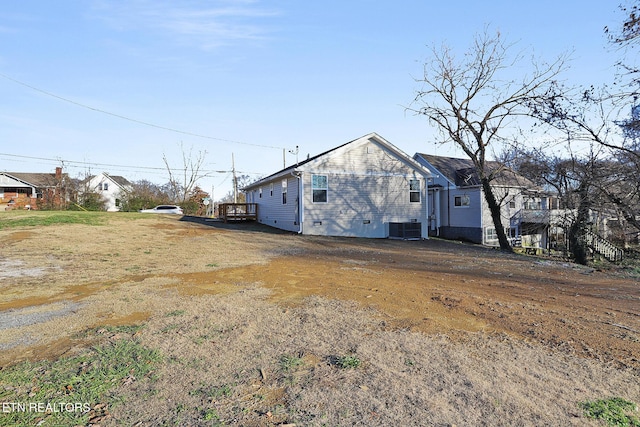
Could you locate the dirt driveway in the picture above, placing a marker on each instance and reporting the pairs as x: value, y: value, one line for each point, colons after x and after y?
x: 59, y: 280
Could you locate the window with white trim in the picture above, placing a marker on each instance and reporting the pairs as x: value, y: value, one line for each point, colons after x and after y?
x: 491, y: 235
x: 461, y: 201
x: 414, y: 190
x: 319, y: 188
x: 284, y: 191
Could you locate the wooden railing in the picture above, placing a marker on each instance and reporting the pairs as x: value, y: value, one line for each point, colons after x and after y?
x: 238, y: 211
x: 603, y: 246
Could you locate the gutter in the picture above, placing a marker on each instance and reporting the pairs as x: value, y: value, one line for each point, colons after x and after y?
x: 300, y: 218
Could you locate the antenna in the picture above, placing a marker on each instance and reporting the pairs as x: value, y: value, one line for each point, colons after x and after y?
x: 296, y: 151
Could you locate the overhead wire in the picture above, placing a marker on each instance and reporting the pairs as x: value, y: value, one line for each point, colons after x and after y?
x: 142, y: 122
x: 145, y: 169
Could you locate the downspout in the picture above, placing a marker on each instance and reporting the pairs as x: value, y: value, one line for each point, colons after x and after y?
x: 436, y: 209
x: 298, y: 176
x: 448, y: 206
x: 426, y: 218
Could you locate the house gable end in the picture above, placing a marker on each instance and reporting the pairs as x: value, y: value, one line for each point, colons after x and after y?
x: 360, y: 148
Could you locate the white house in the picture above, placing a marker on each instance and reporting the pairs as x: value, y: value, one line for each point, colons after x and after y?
x: 459, y: 209
x: 364, y: 188
x: 110, y: 187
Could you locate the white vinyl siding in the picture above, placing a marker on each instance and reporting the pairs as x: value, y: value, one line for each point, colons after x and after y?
x: 272, y: 211
x: 354, y: 190
x: 367, y: 188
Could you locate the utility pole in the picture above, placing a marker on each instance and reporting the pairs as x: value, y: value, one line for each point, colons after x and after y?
x: 213, y: 203
x: 235, y: 180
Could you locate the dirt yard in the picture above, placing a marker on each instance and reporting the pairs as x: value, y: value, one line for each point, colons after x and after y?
x: 448, y: 333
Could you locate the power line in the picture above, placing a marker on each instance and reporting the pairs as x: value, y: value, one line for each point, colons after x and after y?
x: 75, y: 163
x: 134, y: 120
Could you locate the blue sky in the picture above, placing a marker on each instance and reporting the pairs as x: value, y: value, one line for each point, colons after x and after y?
x: 249, y: 77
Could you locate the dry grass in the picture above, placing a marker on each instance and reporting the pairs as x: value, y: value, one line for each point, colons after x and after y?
x: 224, y: 356
x: 252, y: 326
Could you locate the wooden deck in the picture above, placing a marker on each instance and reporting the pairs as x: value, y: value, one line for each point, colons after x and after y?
x: 238, y: 211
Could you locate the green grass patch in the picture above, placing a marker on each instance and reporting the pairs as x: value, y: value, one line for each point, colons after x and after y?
x: 45, y: 218
x: 70, y: 388
x: 614, y: 412
x: 348, y: 362
x: 289, y: 363
x: 175, y: 313
x: 111, y: 329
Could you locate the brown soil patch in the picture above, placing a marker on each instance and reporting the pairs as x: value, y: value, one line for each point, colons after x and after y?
x: 207, y: 291
x: 432, y: 286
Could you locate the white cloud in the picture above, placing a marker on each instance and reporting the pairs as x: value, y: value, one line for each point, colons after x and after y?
x: 204, y: 24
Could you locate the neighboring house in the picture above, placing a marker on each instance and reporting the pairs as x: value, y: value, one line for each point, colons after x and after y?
x: 19, y: 190
x: 364, y: 188
x: 458, y: 209
x: 110, y: 187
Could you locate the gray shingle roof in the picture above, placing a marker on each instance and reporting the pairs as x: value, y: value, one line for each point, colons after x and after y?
x: 39, y: 180
x: 463, y: 173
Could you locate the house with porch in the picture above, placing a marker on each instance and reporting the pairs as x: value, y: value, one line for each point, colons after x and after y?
x: 364, y: 188
x: 458, y: 209
x: 20, y: 190
x: 110, y: 187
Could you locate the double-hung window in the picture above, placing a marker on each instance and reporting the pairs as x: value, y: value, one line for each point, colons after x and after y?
x: 319, y: 188
x: 414, y: 191
x: 284, y: 191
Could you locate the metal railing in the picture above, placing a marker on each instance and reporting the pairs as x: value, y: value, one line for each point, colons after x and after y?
x: 238, y: 211
x: 602, y: 246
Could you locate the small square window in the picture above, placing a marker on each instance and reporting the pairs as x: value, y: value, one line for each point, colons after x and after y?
x: 461, y: 201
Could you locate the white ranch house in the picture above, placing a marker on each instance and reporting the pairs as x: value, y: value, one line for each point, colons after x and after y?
x: 364, y: 188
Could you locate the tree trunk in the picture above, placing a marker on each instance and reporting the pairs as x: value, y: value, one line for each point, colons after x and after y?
x: 494, y: 208
x: 577, y: 245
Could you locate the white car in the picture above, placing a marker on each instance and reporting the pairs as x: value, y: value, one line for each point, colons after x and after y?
x: 164, y: 209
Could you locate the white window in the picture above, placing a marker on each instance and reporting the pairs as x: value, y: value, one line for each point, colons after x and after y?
x: 260, y: 192
x: 319, y: 188
x: 532, y: 204
x: 271, y: 189
x: 491, y: 235
x: 414, y: 190
x: 284, y: 191
x: 461, y: 201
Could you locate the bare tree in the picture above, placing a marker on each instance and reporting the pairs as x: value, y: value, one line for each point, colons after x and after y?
x: 606, y: 119
x: 182, y: 181
x: 473, y: 106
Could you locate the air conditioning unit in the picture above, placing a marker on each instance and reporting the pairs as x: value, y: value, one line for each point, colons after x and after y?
x: 405, y: 230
